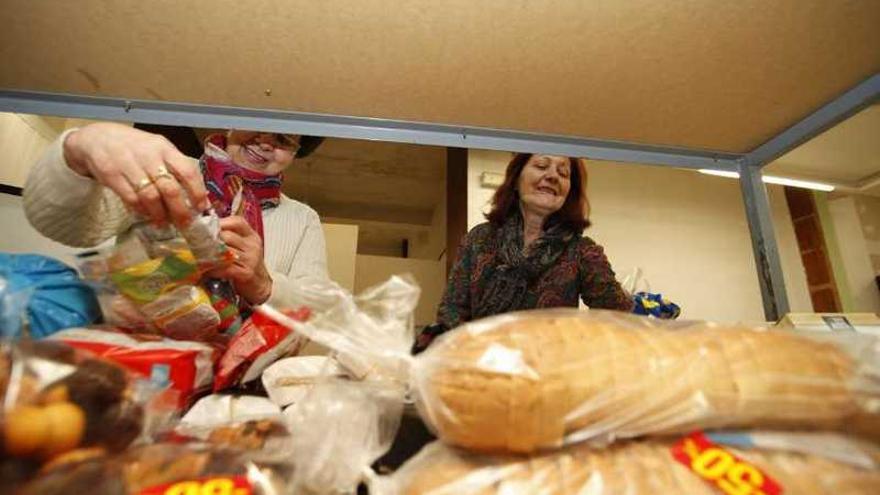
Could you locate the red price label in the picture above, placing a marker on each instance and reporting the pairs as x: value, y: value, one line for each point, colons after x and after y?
x: 214, y: 485
x: 730, y: 474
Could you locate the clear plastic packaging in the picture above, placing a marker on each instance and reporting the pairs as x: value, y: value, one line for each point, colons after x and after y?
x: 56, y: 399
x: 526, y: 381
x: 633, y: 468
x: 347, y: 417
x: 153, y: 279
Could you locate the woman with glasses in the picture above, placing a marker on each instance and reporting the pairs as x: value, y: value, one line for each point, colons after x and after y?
x: 87, y: 185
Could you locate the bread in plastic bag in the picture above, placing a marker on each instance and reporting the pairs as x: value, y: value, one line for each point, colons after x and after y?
x: 524, y: 381
x: 634, y: 468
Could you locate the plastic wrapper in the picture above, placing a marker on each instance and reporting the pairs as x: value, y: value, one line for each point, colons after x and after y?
x: 542, y: 379
x: 44, y: 294
x: 288, y: 381
x: 185, y: 367
x: 338, y: 430
x: 164, y: 469
x: 56, y: 399
x: 260, y: 342
x: 160, y: 273
x: 346, y: 420
x: 694, y: 466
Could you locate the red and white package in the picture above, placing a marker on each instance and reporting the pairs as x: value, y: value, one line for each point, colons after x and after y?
x: 186, y: 367
x: 260, y: 342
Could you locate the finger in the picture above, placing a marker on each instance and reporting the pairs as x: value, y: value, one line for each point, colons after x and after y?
x: 189, y: 177
x: 172, y: 196
x: 238, y: 225
x: 148, y: 202
x: 233, y: 240
x: 123, y: 188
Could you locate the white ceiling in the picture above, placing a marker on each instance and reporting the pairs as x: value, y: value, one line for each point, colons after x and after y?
x: 847, y: 156
x: 390, y: 190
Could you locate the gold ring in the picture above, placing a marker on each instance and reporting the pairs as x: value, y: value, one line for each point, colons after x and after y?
x: 162, y: 175
x: 145, y: 182
x: 161, y: 170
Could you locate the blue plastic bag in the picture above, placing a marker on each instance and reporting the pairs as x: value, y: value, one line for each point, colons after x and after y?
x: 45, y: 293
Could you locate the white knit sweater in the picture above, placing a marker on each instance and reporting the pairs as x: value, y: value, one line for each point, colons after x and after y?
x: 77, y: 211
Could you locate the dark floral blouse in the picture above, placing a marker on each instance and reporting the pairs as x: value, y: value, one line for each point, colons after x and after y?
x: 582, y: 270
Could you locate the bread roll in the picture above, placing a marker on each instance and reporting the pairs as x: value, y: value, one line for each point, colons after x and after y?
x: 633, y: 468
x: 541, y: 379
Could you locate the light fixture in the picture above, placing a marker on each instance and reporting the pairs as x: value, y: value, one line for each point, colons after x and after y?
x: 770, y: 179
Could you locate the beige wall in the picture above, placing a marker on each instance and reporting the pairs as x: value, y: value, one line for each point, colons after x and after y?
x: 855, y: 251
x: 341, y: 241
x: 22, y: 139
x: 372, y: 270
x: 868, y: 210
x: 687, y: 231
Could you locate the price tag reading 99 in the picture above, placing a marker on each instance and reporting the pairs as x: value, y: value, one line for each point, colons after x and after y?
x: 730, y: 474
x: 224, y: 485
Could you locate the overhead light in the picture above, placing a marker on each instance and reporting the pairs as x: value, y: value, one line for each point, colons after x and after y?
x: 770, y: 179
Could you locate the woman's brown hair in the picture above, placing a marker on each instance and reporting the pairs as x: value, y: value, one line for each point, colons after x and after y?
x: 574, y: 213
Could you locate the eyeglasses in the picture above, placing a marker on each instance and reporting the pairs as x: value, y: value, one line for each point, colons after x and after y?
x: 288, y: 142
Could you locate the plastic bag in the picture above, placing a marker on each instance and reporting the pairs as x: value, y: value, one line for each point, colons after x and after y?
x: 45, y: 293
x: 635, y: 468
x: 347, y: 417
x: 56, y: 399
x: 646, y: 302
x: 541, y: 379
x: 260, y: 342
x: 159, y: 271
x: 288, y: 381
x: 186, y: 367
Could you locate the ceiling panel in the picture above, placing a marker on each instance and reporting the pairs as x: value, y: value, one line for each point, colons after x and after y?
x: 711, y: 75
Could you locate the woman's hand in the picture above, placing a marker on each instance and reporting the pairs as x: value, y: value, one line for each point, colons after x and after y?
x: 145, y: 170
x: 248, y: 273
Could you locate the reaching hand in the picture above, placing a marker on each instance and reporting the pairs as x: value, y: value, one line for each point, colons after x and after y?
x: 145, y: 170
x: 248, y: 273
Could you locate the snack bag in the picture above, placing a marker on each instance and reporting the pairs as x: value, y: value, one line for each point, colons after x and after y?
x: 260, y: 342
x: 56, y: 399
x: 186, y: 367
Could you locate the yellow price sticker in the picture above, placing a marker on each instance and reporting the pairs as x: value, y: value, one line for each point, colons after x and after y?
x: 718, y: 466
x: 215, y: 485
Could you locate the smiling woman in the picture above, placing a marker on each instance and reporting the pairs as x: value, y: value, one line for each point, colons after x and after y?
x: 94, y: 182
x: 532, y: 252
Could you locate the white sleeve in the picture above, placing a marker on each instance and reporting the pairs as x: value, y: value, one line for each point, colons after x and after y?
x: 309, y: 263
x: 67, y: 207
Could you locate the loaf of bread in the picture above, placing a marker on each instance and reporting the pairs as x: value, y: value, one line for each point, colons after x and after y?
x: 633, y: 468
x: 542, y: 379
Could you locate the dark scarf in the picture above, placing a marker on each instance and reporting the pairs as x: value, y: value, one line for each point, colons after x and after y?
x: 235, y: 190
x: 515, y: 270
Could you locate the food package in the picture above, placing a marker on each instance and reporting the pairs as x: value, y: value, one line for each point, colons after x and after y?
x: 238, y: 422
x: 289, y: 380
x: 694, y: 465
x: 186, y: 367
x: 44, y: 294
x: 168, y: 468
x: 531, y: 380
x: 56, y: 399
x: 260, y: 342
x: 161, y: 274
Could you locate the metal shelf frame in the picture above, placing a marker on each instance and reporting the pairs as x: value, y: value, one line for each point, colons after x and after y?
x: 748, y: 165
